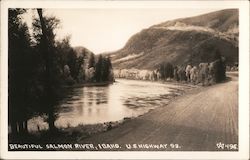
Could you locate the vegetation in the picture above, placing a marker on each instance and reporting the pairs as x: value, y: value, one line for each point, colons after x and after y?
x: 39, y: 67
x: 166, y: 70
x: 21, y: 66
x: 103, y: 69
x: 92, y: 61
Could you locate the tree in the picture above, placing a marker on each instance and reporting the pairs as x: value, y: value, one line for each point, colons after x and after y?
x: 166, y: 70
x: 103, y: 69
x: 21, y: 72
x: 80, y: 69
x: 72, y: 62
x: 68, y: 56
x: 98, y: 69
x: 220, y: 67
x: 106, y: 69
x: 91, y: 61
x: 46, y: 43
x: 63, y: 49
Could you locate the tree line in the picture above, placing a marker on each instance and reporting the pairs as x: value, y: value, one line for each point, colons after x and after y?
x: 204, y: 72
x: 39, y: 66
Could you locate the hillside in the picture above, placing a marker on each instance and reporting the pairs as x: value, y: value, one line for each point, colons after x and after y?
x: 82, y: 51
x: 182, y: 41
x: 223, y: 21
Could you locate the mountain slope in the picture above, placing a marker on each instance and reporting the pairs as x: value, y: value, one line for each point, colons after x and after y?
x: 222, y: 21
x: 182, y: 41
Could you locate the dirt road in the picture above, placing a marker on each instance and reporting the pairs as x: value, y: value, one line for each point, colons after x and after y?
x: 196, y: 121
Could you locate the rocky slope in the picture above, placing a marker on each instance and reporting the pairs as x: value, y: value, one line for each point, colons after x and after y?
x: 182, y: 41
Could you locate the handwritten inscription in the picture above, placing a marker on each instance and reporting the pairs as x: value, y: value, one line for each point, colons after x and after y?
x: 92, y: 147
x: 152, y: 146
x: 227, y: 146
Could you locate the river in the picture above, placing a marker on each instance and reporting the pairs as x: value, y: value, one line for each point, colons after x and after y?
x: 122, y: 99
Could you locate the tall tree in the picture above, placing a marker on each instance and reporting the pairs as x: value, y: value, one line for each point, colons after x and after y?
x: 98, y: 69
x: 166, y: 70
x: 91, y: 61
x: 106, y: 69
x: 220, y: 67
x: 80, y: 69
x: 52, y: 70
x: 72, y: 62
x: 21, y: 71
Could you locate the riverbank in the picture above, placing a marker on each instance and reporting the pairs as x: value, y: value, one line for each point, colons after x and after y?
x: 196, y: 119
x: 203, y: 119
x: 73, y: 133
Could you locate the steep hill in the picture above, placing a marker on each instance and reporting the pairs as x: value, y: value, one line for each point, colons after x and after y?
x: 182, y: 41
x: 223, y: 21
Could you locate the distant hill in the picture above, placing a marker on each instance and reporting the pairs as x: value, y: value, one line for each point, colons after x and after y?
x: 182, y: 41
x: 82, y: 50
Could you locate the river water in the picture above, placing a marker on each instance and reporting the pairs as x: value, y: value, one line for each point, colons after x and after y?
x: 122, y: 99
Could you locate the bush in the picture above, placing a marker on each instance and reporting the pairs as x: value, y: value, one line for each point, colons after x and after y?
x: 166, y: 70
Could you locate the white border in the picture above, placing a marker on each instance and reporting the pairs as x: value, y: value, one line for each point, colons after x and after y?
x: 243, y: 152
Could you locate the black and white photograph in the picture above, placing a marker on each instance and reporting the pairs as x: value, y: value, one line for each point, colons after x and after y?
x: 125, y: 77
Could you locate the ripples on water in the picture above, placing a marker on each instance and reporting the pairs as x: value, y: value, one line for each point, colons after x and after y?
x: 124, y: 98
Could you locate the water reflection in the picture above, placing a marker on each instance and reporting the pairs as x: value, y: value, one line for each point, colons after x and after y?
x: 89, y: 105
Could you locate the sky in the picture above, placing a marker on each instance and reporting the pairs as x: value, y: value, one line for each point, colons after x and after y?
x: 105, y: 30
